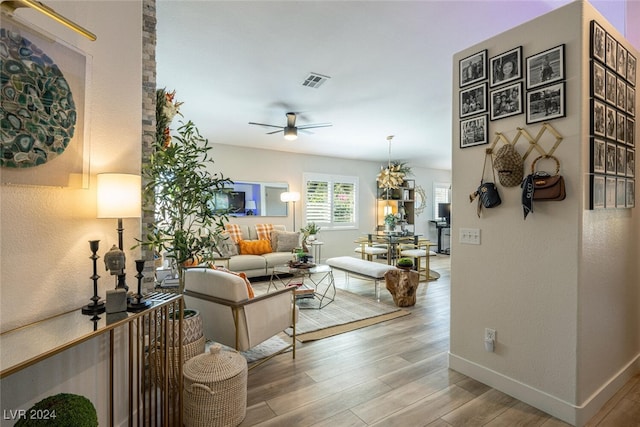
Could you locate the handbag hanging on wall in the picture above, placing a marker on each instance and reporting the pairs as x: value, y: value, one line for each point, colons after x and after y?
x: 542, y: 186
x: 487, y: 192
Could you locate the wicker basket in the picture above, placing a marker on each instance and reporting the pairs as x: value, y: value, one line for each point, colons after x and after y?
x: 215, y: 389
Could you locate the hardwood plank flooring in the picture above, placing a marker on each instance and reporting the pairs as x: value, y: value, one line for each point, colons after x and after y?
x: 395, y: 374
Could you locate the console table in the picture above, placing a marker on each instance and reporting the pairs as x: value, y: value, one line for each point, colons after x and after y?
x: 153, y: 372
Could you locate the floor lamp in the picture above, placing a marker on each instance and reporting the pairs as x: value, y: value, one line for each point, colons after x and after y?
x: 292, y: 196
x: 119, y: 196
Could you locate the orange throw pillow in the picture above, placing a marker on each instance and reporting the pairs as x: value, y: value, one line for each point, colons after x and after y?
x: 242, y: 275
x: 255, y: 247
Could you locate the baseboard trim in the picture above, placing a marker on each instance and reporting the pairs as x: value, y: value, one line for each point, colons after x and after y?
x: 561, y: 409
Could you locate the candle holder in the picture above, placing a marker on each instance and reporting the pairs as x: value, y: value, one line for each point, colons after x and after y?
x: 96, y: 306
x: 137, y: 302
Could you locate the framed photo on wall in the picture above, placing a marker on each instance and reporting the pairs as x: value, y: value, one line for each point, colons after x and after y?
x: 621, y: 94
x: 598, y: 117
x: 506, y: 67
x: 598, y: 155
x: 621, y: 160
x: 474, y: 131
x: 473, y: 100
x: 610, y: 192
x: 631, y: 69
x: 621, y: 193
x: 545, y: 67
x: 597, y: 192
x: 610, y: 123
x: 597, y: 41
x: 611, y: 52
x: 621, y: 122
x: 473, y: 69
x: 631, y: 162
x: 611, y: 87
x: 506, y: 101
x: 630, y: 199
x: 611, y: 159
x: 598, y: 76
x: 622, y: 61
x: 546, y: 103
x: 631, y: 100
x: 630, y: 127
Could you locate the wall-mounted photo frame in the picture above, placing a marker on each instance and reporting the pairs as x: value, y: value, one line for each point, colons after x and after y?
x: 610, y: 192
x: 631, y: 101
x: 621, y: 122
x: 630, y: 199
x: 621, y: 94
x: 506, y: 101
x: 473, y: 68
x: 598, y: 117
x: 473, y: 100
x: 610, y: 123
x: 546, y: 103
x: 598, y: 76
x: 611, y: 87
x: 611, y: 162
x: 598, y: 155
x: 621, y: 160
x: 631, y: 69
x: 631, y: 163
x: 474, y: 131
x: 506, y: 67
x: 622, y: 61
x: 611, y: 52
x: 545, y: 67
x: 597, y: 192
x: 597, y: 41
x: 621, y: 193
x: 630, y: 128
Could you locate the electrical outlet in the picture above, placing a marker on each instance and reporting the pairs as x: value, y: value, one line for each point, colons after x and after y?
x: 490, y: 334
x: 470, y: 236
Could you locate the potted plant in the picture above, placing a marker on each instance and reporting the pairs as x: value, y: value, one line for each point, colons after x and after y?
x: 390, y: 222
x: 405, y: 263
x: 309, y: 232
x: 179, y: 187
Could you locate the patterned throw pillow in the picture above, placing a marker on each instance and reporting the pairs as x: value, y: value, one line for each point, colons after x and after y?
x: 255, y: 247
x: 241, y: 275
x: 263, y: 231
x: 225, y: 245
x: 234, y: 231
x: 284, y: 241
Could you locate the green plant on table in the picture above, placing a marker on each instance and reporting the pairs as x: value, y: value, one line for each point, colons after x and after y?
x: 405, y: 262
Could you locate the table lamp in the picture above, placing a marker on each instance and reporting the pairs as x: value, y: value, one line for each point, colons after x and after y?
x: 119, y: 196
x: 291, y: 196
x: 250, y: 207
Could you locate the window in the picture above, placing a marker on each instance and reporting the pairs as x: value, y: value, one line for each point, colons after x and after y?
x: 330, y: 200
x: 441, y: 194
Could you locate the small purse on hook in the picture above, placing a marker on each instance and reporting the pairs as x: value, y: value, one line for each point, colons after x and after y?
x: 487, y: 192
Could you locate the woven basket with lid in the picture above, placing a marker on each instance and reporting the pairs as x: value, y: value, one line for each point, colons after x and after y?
x: 215, y: 388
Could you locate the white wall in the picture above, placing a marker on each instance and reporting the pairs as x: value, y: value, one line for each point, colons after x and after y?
x: 244, y: 164
x: 560, y: 288
x: 45, y: 265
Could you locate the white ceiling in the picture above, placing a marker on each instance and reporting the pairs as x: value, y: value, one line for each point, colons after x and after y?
x: 390, y: 63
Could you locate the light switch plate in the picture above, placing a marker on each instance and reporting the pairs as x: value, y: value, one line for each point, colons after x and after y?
x: 470, y: 236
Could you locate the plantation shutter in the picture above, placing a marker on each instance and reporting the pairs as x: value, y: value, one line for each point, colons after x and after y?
x: 330, y: 201
x: 318, y: 206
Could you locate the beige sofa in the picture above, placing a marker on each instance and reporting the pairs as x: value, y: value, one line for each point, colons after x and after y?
x: 260, y: 265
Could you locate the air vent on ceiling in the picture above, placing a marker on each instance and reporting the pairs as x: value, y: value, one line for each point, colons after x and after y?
x: 315, y: 80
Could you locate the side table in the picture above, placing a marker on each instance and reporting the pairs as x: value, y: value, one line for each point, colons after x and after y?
x: 316, y: 251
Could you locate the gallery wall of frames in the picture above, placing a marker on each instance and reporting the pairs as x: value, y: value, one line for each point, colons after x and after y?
x: 494, y: 88
x: 613, y: 125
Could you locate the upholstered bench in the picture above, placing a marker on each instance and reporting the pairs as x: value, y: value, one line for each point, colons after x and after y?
x: 362, y: 268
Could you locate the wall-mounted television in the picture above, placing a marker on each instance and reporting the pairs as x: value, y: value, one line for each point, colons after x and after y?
x: 230, y: 202
x: 444, y: 212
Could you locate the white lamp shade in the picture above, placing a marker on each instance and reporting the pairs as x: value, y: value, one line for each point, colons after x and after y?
x: 251, y: 204
x: 119, y: 195
x: 292, y: 196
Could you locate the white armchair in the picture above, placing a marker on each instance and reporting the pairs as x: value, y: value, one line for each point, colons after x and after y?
x: 230, y: 317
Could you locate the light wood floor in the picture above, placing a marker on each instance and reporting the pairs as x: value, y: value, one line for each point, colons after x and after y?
x: 395, y: 374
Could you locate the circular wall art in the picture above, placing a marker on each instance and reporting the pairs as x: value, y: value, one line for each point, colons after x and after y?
x: 37, y: 112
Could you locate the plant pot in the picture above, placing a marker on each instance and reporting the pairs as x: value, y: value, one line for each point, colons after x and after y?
x: 191, y: 327
x: 311, y: 237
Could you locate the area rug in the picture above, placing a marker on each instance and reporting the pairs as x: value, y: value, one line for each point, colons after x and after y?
x: 347, y: 312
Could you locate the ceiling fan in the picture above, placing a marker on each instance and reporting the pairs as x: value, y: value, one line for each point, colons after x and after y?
x: 291, y: 130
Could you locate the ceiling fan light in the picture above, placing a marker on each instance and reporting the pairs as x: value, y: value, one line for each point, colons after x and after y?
x: 290, y: 133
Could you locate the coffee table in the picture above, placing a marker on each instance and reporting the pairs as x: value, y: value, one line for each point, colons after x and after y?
x: 315, y: 282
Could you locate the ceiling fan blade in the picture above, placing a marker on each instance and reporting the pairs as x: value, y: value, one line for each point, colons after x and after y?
x: 317, y: 125
x: 291, y: 120
x: 275, y: 131
x: 262, y: 124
